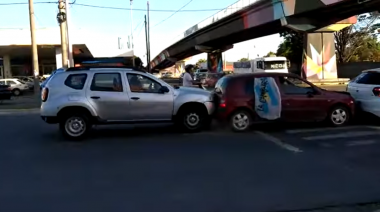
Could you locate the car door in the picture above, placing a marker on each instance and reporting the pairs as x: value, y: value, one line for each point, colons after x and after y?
x: 107, y: 94
x: 147, y: 101
x: 299, y: 100
x: 364, y: 94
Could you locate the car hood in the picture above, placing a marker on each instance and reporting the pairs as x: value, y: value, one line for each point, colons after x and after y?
x: 190, y: 90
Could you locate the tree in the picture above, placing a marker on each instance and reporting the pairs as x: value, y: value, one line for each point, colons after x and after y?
x: 270, y: 54
x: 244, y: 59
x: 357, y: 39
x: 292, y: 46
x: 200, y: 61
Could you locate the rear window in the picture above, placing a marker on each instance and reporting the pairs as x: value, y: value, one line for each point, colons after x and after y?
x: 76, y: 81
x: 221, y: 85
x: 369, y: 78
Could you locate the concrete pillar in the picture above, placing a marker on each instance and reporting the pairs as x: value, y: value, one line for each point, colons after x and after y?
x: 58, y: 57
x: 215, y: 62
x: 7, y: 66
x: 319, y: 56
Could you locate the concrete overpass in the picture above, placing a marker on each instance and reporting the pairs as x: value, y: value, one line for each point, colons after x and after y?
x: 249, y: 19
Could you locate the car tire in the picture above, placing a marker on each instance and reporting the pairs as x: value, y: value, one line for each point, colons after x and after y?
x: 339, y: 116
x: 240, y: 121
x: 75, y: 127
x: 16, y: 92
x: 193, y: 120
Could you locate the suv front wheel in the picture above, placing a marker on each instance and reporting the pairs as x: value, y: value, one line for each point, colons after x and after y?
x: 75, y: 126
x: 193, y: 119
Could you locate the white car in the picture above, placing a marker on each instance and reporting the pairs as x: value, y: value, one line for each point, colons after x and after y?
x: 17, y: 85
x: 365, y: 89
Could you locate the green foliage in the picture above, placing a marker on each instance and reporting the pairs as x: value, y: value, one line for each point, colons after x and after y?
x: 243, y: 59
x: 355, y: 43
x: 292, y: 46
x: 269, y: 54
x: 201, y: 61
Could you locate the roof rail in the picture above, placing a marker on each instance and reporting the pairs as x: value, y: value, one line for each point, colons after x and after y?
x: 89, y: 67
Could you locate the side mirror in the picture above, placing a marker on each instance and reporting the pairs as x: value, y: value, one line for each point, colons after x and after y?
x: 164, y: 89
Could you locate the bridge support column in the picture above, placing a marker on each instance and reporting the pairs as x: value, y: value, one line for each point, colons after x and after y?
x: 215, y: 62
x: 319, y: 56
x: 319, y: 59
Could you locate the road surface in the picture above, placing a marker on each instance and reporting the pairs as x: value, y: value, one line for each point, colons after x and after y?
x: 121, y: 168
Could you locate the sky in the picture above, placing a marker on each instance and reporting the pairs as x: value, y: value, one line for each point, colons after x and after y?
x: 103, y: 26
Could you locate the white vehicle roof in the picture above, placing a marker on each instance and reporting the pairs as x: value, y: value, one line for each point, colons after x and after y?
x: 372, y: 70
x: 274, y: 58
x: 9, y: 79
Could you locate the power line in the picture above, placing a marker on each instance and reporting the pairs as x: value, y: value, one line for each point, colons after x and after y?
x: 114, y: 8
x: 172, y: 14
x: 142, y: 21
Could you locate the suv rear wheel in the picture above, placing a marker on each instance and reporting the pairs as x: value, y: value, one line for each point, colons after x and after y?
x: 75, y: 126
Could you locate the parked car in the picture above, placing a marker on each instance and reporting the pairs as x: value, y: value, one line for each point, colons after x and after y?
x: 5, y: 91
x: 260, y: 97
x: 209, y: 81
x: 365, y: 89
x: 17, y: 86
x: 200, y: 74
x: 27, y: 80
x: 81, y: 97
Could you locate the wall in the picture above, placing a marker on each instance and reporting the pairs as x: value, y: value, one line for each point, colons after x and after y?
x: 345, y: 70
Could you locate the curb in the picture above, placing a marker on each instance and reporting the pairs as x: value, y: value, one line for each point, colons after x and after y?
x: 19, y: 111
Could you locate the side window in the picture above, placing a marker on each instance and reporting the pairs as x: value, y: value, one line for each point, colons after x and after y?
x: 76, y: 81
x: 292, y: 85
x: 142, y: 84
x: 10, y: 82
x: 369, y: 78
x: 107, y: 82
x: 250, y: 87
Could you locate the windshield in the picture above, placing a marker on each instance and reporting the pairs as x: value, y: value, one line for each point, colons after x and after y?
x: 271, y: 65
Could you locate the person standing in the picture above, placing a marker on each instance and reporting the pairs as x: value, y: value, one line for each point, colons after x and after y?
x: 187, y: 80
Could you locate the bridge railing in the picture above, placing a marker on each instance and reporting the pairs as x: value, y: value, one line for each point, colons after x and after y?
x: 233, y: 8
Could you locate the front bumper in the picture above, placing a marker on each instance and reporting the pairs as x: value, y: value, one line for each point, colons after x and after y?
x: 50, y: 119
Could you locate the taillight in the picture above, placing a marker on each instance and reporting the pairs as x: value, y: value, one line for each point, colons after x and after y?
x: 9, y: 89
x: 222, y: 103
x: 45, y: 94
x: 376, y: 91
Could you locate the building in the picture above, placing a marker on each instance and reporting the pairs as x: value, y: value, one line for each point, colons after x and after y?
x: 16, y: 52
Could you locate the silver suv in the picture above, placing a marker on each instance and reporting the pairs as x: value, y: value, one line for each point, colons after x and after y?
x: 78, y: 98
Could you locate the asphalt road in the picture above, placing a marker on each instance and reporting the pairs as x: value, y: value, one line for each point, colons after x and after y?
x: 121, y: 168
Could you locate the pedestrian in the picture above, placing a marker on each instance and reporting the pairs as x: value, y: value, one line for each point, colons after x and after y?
x: 187, y: 80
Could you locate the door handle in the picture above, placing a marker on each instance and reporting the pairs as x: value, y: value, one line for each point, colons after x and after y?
x: 357, y: 90
x: 95, y: 97
x: 135, y: 98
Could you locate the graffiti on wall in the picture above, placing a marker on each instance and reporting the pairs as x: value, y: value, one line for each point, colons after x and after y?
x: 180, y: 67
x: 319, y: 57
x: 215, y: 62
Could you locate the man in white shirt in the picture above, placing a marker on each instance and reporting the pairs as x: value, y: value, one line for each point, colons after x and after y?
x: 187, y: 80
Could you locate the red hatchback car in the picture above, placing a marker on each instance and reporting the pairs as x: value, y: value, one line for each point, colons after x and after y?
x: 244, y: 99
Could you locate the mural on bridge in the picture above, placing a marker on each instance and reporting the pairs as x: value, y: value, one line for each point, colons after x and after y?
x: 215, y: 62
x: 319, y: 57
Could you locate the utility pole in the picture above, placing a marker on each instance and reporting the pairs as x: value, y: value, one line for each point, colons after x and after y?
x: 147, y: 45
x: 61, y: 17
x: 148, y: 34
x: 69, y: 44
x: 36, y: 71
x: 132, y: 46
